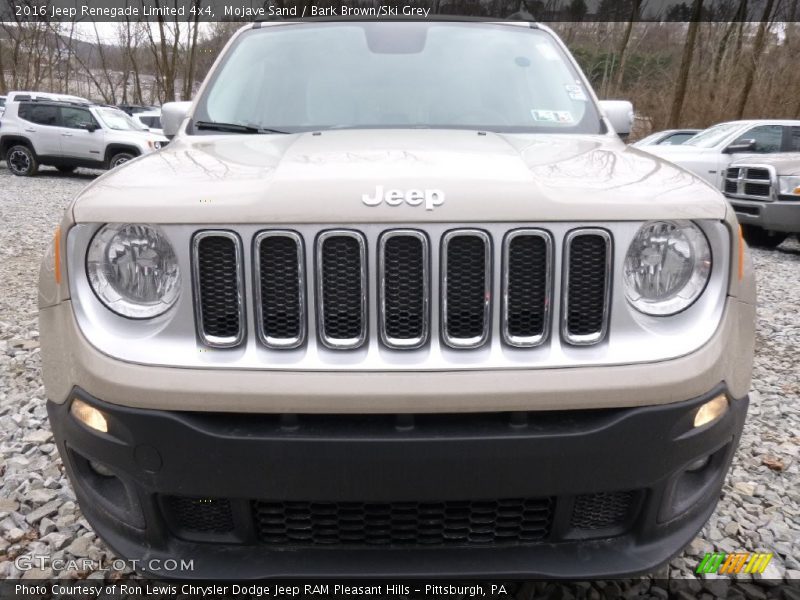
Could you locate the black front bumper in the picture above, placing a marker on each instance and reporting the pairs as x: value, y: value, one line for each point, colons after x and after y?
x: 577, y: 494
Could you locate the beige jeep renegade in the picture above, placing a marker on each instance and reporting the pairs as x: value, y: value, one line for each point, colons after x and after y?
x: 397, y: 300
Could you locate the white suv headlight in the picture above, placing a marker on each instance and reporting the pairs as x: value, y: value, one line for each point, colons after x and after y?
x: 133, y: 270
x: 667, y: 267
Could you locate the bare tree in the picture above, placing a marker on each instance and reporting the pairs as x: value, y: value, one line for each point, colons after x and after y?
x: 755, y: 55
x: 686, y: 65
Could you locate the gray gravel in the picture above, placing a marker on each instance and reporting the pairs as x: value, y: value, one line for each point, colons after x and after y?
x: 759, y: 511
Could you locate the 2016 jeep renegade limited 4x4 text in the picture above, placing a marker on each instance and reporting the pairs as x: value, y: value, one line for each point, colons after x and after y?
x: 398, y: 300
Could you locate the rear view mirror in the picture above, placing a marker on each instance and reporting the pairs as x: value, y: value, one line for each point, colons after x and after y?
x: 172, y: 116
x: 620, y: 114
x: 740, y: 146
x: 90, y: 127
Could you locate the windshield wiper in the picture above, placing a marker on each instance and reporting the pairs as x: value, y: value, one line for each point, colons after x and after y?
x: 234, y: 127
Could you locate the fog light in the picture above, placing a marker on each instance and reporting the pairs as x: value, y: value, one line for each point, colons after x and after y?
x: 89, y: 415
x: 711, y: 410
x: 101, y: 469
x: 699, y: 464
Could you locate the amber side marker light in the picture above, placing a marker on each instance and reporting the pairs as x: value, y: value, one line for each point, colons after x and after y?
x: 741, y: 254
x: 89, y: 415
x: 711, y: 410
x: 57, y: 255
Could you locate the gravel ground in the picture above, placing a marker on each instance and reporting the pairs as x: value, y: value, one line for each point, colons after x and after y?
x: 759, y: 511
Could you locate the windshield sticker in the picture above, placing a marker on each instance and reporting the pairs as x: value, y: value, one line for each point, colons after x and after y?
x: 575, y: 92
x: 552, y: 116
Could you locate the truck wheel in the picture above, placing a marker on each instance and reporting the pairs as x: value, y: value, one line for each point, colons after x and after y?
x: 119, y: 159
x: 762, y: 238
x: 21, y: 160
x: 65, y: 169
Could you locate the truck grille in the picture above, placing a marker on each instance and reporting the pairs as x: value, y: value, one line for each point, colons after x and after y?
x: 452, y: 523
x: 753, y: 183
x: 330, y: 292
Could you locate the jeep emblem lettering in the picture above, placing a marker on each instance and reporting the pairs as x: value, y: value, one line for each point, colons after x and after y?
x: 413, y: 197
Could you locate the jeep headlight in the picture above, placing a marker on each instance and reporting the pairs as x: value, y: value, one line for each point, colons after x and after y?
x: 667, y: 267
x: 133, y: 270
x: 789, y: 186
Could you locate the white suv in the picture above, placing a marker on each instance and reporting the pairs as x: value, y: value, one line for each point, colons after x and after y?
x: 45, y: 130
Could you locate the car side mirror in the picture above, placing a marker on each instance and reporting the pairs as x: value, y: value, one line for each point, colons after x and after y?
x: 90, y: 127
x: 172, y: 116
x: 740, y: 146
x: 619, y: 114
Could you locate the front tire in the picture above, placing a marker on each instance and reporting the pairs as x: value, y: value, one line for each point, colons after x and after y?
x: 21, y: 161
x: 120, y: 159
x: 762, y: 238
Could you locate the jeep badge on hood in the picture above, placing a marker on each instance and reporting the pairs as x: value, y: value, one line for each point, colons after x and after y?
x: 431, y: 198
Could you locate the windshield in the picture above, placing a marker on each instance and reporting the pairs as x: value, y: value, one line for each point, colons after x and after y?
x: 708, y: 138
x: 116, y: 119
x: 398, y: 75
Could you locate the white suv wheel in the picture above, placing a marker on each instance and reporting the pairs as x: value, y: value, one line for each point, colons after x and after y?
x: 120, y: 159
x: 21, y: 161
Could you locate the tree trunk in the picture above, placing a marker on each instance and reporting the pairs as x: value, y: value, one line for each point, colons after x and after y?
x: 750, y: 65
x: 623, y: 46
x: 685, y: 68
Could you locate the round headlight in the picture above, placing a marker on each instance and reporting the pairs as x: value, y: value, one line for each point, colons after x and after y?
x: 133, y: 270
x: 667, y: 267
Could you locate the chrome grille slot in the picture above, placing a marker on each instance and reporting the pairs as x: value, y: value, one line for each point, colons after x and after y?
x: 756, y: 189
x: 527, y: 286
x: 342, y: 288
x: 280, y: 288
x: 586, y: 294
x: 404, y: 288
x: 759, y: 174
x: 218, y: 284
x: 466, y: 281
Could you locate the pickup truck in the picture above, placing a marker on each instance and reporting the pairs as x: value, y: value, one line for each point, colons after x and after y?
x: 765, y: 193
x: 709, y: 152
x: 397, y: 300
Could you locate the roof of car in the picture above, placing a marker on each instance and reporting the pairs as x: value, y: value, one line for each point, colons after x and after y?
x: 52, y: 101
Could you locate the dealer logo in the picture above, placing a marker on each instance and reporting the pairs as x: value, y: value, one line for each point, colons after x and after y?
x: 412, y: 197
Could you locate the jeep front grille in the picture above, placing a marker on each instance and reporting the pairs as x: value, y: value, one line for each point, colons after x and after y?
x: 448, y: 523
x: 342, y: 288
x: 587, y: 255
x: 751, y: 183
x: 280, y: 288
x: 527, y: 286
x: 219, y: 282
x: 466, y: 287
x: 404, y: 288
x: 426, y: 284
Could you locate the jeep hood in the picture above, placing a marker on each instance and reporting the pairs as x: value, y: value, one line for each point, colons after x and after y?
x: 321, y: 178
